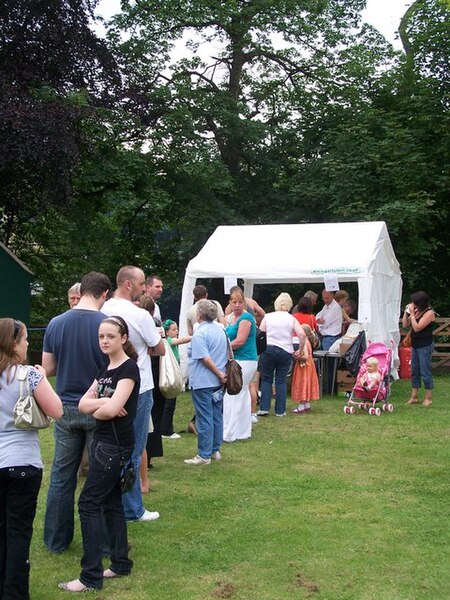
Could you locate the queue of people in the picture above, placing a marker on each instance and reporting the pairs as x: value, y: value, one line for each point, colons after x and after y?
x: 101, y: 351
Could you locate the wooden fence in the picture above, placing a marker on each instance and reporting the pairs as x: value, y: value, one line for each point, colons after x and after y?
x: 441, y: 339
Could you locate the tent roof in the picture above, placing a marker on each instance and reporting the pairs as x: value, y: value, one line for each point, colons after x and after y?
x: 294, y: 253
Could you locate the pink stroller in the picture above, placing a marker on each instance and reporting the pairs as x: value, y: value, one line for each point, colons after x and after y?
x: 379, y: 392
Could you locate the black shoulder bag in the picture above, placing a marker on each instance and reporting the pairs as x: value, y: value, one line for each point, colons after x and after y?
x: 127, y: 472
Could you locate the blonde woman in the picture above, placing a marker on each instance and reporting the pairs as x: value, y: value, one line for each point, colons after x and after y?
x: 342, y: 298
x: 241, y: 331
x: 280, y: 327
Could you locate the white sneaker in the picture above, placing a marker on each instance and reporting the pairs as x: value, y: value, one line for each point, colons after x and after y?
x: 255, y: 419
x: 197, y: 460
x: 174, y: 436
x: 262, y: 413
x: 149, y: 516
x: 282, y: 415
x: 215, y: 456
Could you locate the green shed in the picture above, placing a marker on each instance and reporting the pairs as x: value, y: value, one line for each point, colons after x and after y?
x: 15, y: 285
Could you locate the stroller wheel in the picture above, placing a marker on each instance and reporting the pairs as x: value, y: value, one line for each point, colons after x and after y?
x: 361, y: 405
x: 348, y: 410
x: 351, y: 410
x: 384, y: 407
x: 390, y: 407
x: 371, y: 411
x: 377, y: 412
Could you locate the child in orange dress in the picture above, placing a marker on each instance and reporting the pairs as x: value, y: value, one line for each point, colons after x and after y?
x: 305, y: 383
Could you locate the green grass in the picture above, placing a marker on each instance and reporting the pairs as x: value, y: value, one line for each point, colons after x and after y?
x: 323, y: 506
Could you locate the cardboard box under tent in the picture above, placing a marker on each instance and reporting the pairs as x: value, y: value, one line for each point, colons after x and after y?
x: 307, y: 253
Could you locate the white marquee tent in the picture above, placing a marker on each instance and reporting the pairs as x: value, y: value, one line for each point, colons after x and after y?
x: 307, y: 253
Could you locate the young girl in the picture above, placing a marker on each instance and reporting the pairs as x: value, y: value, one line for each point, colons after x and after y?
x: 305, y: 384
x: 112, y: 400
x: 372, y: 377
x: 171, y: 331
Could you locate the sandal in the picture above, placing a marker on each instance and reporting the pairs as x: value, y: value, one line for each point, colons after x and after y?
x: 76, y: 586
x: 412, y: 401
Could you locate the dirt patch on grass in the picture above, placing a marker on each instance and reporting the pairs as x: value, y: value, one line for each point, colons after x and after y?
x: 300, y: 580
x: 223, y: 590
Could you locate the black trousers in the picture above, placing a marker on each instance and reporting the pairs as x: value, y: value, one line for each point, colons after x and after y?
x: 154, y: 441
x: 19, y: 489
x: 167, y: 418
x: 101, y: 497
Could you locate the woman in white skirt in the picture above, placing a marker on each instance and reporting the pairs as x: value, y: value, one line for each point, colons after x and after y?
x: 241, y: 331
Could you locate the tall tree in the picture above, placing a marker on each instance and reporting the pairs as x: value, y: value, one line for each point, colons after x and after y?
x: 52, y: 70
x: 387, y: 158
x: 245, y: 60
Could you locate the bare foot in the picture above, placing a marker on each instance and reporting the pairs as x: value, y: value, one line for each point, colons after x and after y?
x: 144, y: 489
x: 427, y: 402
x: 75, y: 586
x: 109, y: 574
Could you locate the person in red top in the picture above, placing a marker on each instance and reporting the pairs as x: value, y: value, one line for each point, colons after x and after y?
x: 304, y: 314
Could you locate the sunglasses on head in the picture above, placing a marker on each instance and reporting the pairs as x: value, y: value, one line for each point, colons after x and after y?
x: 17, y: 325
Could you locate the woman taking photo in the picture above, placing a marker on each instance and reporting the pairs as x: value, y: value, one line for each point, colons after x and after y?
x: 20, y: 460
x: 241, y: 331
x: 112, y: 400
x: 420, y: 317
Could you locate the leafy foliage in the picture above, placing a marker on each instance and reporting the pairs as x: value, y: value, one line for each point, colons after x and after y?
x: 278, y: 111
x: 52, y: 68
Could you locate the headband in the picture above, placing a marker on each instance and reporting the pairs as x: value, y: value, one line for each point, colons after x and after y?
x: 167, y: 324
x: 123, y: 325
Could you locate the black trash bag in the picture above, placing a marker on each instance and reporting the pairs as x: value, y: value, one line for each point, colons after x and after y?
x: 354, y: 353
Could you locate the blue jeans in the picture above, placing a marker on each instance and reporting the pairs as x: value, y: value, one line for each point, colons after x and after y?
x: 19, y: 488
x: 208, y: 421
x: 71, y: 433
x: 132, y: 501
x: 421, y: 367
x: 101, y: 497
x: 328, y: 341
x: 278, y: 361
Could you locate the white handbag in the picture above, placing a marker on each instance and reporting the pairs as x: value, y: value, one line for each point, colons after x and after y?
x: 170, y: 377
x: 27, y: 412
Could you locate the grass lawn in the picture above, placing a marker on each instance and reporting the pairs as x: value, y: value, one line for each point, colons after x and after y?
x: 322, y: 506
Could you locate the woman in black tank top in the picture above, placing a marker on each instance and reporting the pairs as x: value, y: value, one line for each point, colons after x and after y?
x: 420, y: 317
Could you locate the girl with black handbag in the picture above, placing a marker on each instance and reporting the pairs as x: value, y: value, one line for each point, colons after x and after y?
x: 112, y: 400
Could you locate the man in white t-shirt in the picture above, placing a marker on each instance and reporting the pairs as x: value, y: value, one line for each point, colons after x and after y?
x: 329, y: 320
x: 144, y: 337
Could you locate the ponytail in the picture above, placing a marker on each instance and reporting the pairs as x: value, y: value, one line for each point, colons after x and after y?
x: 130, y: 351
